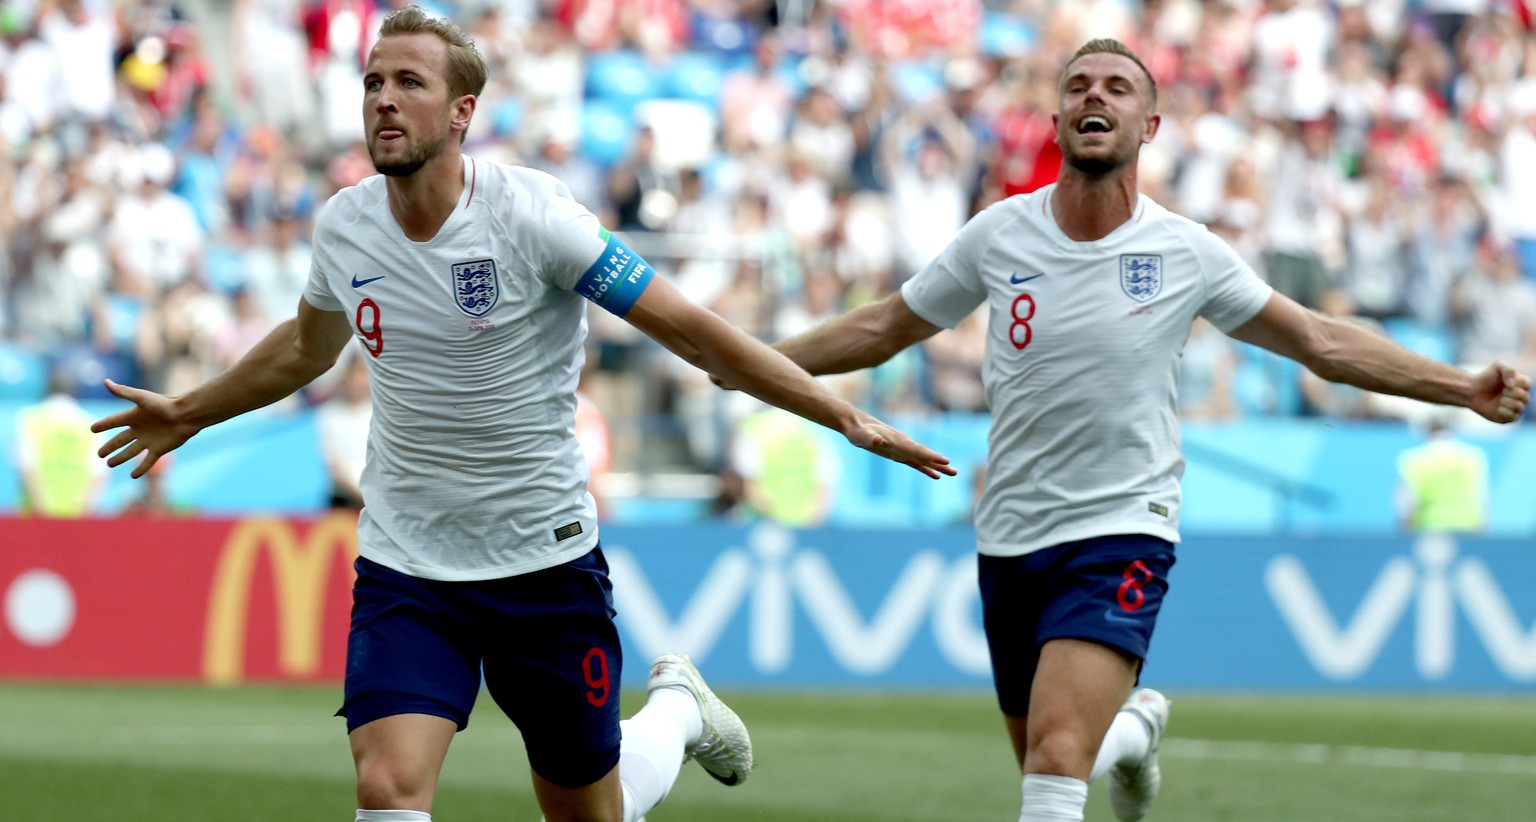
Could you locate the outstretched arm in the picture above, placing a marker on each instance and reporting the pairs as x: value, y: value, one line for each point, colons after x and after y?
x: 1341, y: 351
x: 289, y: 358
x: 862, y: 338
x: 710, y: 343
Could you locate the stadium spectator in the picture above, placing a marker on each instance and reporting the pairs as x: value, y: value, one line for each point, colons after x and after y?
x: 643, y: 192
x: 55, y: 455
x: 155, y: 499
x: 1517, y: 161
x: 1206, y: 373
x: 1377, y: 276
x: 239, y: 332
x: 1494, y: 310
x: 154, y: 236
x: 789, y: 471
x: 1303, y: 230
x: 479, y: 547
x: 1443, y: 248
x: 269, y: 58
x: 55, y: 295
x: 277, y: 266
x: 755, y: 103
x: 1444, y: 483
x: 86, y: 35
x: 1060, y: 524
x: 34, y: 75
x: 925, y: 156
x: 341, y: 423
x: 556, y: 156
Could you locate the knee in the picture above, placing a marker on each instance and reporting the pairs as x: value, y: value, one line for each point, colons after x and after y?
x: 386, y: 784
x: 1061, y: 752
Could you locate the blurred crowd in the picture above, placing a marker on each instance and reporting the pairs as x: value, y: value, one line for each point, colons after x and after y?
x: 783, y: 161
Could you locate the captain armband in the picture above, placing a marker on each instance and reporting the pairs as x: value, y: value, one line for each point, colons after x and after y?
x: 617, y: 279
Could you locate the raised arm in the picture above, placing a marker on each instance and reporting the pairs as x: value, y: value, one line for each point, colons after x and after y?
x: 862, y: 338
x: 1341, y: 351
x: 710, y: 343
x: 289, y: 358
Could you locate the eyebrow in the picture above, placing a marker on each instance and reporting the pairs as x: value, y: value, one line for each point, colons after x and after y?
x: 1112, y: 78
x: 401, y: 72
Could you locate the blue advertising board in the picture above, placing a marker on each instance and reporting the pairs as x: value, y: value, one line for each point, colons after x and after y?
x: 899, y: 608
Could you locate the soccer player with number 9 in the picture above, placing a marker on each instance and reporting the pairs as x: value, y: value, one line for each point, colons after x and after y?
x: 464, y: 281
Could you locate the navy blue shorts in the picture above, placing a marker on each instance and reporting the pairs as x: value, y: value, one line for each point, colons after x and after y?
x: 545, y: 641
x: 1105, y: 589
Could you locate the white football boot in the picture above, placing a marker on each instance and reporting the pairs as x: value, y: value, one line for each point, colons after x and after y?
x: 724, y: 749
x: 1133, y: 787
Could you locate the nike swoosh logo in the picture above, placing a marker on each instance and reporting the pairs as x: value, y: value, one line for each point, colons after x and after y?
x: 1115, y: 616
x: 356, y: 283
x: 1016, y: 279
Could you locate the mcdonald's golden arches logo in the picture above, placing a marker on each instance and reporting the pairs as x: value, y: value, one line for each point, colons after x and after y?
x: 300, y: 571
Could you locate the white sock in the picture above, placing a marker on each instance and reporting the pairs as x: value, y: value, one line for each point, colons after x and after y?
x: 1127, y: 742
x: 1049, y: 798
x: 392, y: 816
x: 651, y: 748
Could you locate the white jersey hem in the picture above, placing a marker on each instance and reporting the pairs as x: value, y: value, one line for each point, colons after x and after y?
x: 441, y: 574
x: 1064, y: 536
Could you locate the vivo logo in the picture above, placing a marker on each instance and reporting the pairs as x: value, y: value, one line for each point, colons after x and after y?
x: 1436, y: 583
x: 771, y: 577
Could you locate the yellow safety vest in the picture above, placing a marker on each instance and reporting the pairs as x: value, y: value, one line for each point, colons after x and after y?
x: 789, y: 451
x: 65, y: 450
x: 1448, y: 483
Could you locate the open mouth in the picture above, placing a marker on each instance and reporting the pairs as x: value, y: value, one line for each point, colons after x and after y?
x: 1094, y: 124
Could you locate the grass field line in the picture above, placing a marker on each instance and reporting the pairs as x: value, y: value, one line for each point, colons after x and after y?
x: 1174, y: 748
x: 1354, y: 755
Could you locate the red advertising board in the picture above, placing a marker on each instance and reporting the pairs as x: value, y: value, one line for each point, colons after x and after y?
x: 216, y: 601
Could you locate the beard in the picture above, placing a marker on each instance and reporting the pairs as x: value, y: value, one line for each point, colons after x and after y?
x: 1100, y: 165
x: 1093, y: 166
x: 415, y: 157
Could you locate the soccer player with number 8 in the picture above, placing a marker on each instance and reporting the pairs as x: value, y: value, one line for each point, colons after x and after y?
x: 1092, y: 290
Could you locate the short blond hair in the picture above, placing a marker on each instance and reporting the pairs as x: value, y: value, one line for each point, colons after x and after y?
x: 466, y: 70
x: 1107, y: 45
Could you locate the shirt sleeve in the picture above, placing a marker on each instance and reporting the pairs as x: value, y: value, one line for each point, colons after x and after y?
x: 571, y: 237
x: 1234, y: 292
x: 317, y: 290
x: 948, y: 289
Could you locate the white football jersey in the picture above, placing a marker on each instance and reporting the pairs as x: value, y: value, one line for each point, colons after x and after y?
x: 1081, y: 370
x: 475, y: 344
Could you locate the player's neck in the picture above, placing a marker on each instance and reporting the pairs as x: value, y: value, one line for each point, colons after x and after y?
x: 422, y: 202
x: 1088, y: 208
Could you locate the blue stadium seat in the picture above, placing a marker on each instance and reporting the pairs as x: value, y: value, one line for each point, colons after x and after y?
x: 1006, y: 35
x: 721, y: 36
x: 695, y: 76
x: 85, y: 368
x: 225, y: 267
x: 621, y: 78
x: 1266, y: 384
x: 917, y: 82
x: 23, y: 373
x: 507, y: 117
x: 1423, y: 338
x: 605, y: 132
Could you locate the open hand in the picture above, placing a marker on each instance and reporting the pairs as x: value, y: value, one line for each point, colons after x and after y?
x: 1501, y: 393
x: 878, y: 438
x: 150, y: 428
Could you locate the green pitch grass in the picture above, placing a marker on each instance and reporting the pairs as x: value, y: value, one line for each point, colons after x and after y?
x: 173, y: 754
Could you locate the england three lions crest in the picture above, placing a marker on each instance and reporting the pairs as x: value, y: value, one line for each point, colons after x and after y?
x: 1141, y: 275
x: 475, y: 287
